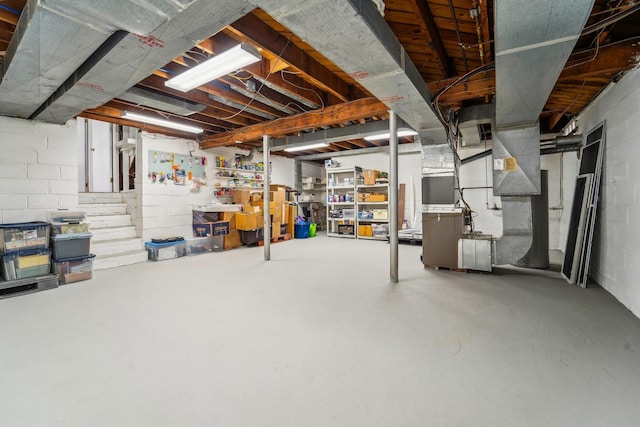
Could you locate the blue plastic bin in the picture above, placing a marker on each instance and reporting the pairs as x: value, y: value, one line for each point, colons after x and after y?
x: 301, y: 231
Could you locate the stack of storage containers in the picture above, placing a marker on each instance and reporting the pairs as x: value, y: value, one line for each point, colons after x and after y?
x: 71, y: 244
x: 25, y: 250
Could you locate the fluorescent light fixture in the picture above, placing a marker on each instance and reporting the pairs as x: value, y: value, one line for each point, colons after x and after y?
x: 387, y: 135
x: 160, y: 122
x: 231, y: 60
x: 307, y: 147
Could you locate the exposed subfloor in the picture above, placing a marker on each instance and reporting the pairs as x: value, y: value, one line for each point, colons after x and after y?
x: 317, y: 337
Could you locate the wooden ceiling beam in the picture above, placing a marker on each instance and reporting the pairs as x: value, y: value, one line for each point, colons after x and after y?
x: 269, y: 39
x: 9, y: 17
x: 353, y: 110
x: 430, y: 32
x: 608, y: 60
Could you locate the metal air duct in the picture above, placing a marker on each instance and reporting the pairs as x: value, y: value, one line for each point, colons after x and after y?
x: 468, y: 121
x: 354, y: 36
x: 53, y: 38
x: 533, y: 42
x: 136, y: 57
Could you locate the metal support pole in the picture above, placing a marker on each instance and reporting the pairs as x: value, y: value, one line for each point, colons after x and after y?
x: 393, y: 195
x: 266, y: 139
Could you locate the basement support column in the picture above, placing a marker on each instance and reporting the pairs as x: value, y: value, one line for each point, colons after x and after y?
x: 393, y: 196
x: 266, y: 140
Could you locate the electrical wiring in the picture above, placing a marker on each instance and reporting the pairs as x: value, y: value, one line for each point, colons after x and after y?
x: 282, y: 72
x: 243, y: 109
x: 452, y: 135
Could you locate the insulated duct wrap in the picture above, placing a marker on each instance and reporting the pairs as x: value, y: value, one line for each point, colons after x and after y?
x: 136, y: 57
x: 53, y: 38
x: 350, y: 33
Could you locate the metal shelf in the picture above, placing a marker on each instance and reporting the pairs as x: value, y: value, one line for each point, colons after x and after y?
x: 382, y: 238
x: 238, y: 170
x: 340, y: 187
x: 346, y: 236
x: 342, y: 219
x: 372, y: 185
x: 241, y: 186
x: 341, y: 203
x: 373, y: 220
x: 238, y: 177
x: 373, y: 203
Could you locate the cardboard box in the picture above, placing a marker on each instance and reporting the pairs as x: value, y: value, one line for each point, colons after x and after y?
x: 252, y: 209
x: 241, y: 196
x: 230, y: 217
x: 380, y: 214
x: 275, y: 229
x: 377, y: 197
x: 260, y: 220
x: 277, y: 213
x: 211, y: 229
x: 365, y: 230
x: 370, y: 176
x: 246, y: 220
x: 285, y: 214
x: 256, y: 196
x: 278, y: 195
x: 291, y: 215
x: 232, y: 240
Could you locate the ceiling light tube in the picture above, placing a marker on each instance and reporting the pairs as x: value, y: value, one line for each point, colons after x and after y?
x: 306, y: 147
x: 160, y: 122
x: 224, y: 63
x: 401, y: 133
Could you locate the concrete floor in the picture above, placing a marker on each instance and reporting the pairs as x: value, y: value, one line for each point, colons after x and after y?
x: 317, y: 337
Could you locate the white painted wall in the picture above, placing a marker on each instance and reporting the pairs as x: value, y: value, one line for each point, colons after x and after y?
x: 38, y: 169
x: 614, y: 262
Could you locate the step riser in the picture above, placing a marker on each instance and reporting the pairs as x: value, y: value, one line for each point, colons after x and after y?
x: 126, y: 259
x: 106, y: 209
x: 108, y: 221
x: 84, y: 198
x: 101, y: 234
x: 105, y: 248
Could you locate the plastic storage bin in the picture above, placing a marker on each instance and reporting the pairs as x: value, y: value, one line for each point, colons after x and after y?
x: 251, y: 237
x: 71, y: 245
x: 67, y: 216
x: 26, y: 263
x: 301, y: 230
x: 162, y: 251
x: 201, y: 245
x: 24, y: 235
x: 73, y: 269
x: 69, y: 228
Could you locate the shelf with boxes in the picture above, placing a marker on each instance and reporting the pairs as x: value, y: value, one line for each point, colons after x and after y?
x: 341, y: 201
x: 373, y: 202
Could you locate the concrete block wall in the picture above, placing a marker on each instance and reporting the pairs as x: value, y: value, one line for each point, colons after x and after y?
x: 614, y: 262
x: 38, y: 169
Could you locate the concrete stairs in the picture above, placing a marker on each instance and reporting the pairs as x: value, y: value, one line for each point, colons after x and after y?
x: 114, y: 240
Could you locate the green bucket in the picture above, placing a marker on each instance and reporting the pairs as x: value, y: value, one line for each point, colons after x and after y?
x: 312, y: 229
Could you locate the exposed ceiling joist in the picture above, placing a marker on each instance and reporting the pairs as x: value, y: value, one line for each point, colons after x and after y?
x: 430, y: 31
x: 267, y: 38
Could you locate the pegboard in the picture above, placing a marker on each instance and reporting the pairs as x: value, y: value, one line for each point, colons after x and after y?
x: 175, y: 167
